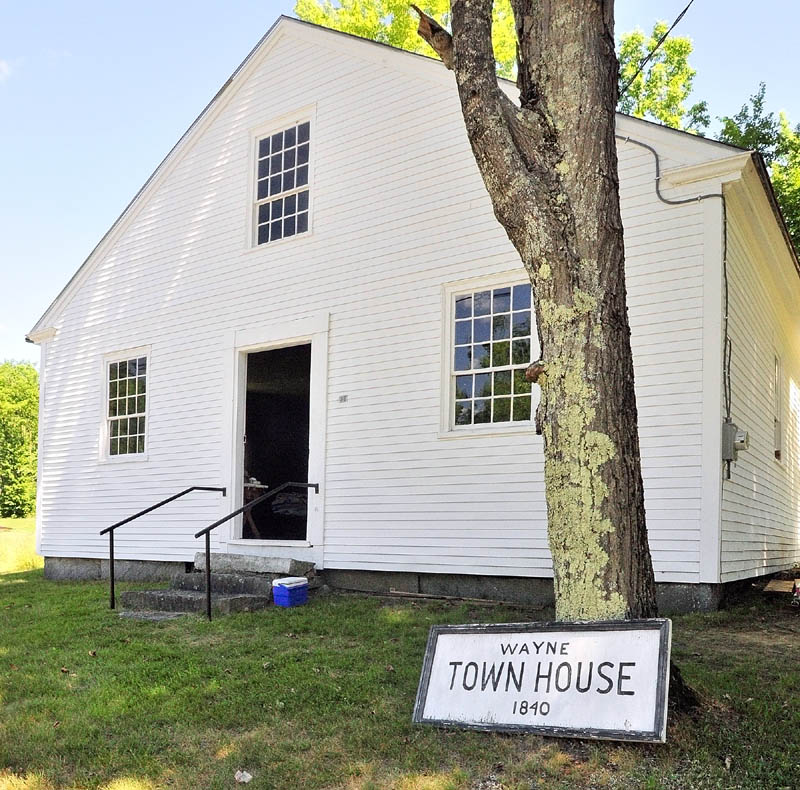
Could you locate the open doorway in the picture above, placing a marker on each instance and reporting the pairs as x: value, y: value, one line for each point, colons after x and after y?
x: 276, y: 442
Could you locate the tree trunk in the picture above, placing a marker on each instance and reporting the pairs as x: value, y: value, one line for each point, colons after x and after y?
x: 550, y: 167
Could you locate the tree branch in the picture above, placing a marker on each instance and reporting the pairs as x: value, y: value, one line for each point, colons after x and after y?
x: 438, y: 38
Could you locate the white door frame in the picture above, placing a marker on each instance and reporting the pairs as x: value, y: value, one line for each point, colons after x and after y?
x: 313, y: 331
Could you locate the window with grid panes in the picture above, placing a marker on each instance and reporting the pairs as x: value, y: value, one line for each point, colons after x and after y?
x: 127, y: 399
x: 282, y: 184
x: 492, y: 345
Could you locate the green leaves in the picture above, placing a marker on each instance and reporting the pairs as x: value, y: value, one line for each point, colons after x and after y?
x: 660, y: 90
x: 774, y: 138
x: 19, y: 409
x: 392, y: 22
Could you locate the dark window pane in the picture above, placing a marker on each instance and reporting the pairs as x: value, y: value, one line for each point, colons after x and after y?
x: 263, y: 168
x: 275, y: 163
x: 483, y: 303
x: 502, y: 300
x: 463, y: 412
x: 302, y: 201
x: 112, y: 389
x: 121, y: 412
x: 141, y: 424
x: 303, y: 132
x: 289, y: 137
x: 480, y: 356
x: 263, y: 213
x: 483, y: 385
x: 115, y: 447
x: 112, y: 408
x: 275, y: 230
x: 501, y: 410
x: 502, y: 382
x: 277, y: 208
x: 131, y: 444
x: 114, y: 428
x: 142, y: 366
x: 131, y: 405
x: 463, y: 332
x: 522, y: 297
x: 302, y: 176
x: 112, y: 371
x: 263, y: 147
x: 277, y: 142
x: 288, y: 181
x: 500, y: 353
x: 140, y: 404
x: 521, y: 352
x: 462, y: 358
x: 263, y: 188
x: 463, y: 306
x: 288, y: 159
x: 140, y: 444
x: 483, y: 411
x: 521, y: 384
x: 522, y: 408
x: 263, y: 234
x: 288, y: 226
x: 481, y: 329
x: 501, y: 327
x: 123, y: 427
x: 521, y: 324
x: 290, y: 204
x: 302, y: 223
x: 463, y: 387
x: 132, y: 367
x: 275, y: 185
x: 302, y: 154
x: 131, y: 387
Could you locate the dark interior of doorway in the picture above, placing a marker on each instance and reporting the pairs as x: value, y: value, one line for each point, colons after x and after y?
x: 276, y: 443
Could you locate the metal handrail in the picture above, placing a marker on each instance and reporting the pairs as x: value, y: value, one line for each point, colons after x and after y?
x: 257, y: 501
x: 150, y: 509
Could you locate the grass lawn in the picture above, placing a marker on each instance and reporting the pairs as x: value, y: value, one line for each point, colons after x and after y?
x: 321, y: 697
x: 17, y: 545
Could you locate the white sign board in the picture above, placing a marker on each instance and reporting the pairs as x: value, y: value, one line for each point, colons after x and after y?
x: 586, y: 680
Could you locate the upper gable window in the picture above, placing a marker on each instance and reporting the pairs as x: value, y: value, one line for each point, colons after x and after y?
x: 282, y: 184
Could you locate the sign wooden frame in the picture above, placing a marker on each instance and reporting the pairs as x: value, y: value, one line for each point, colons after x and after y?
x: 655, y: 735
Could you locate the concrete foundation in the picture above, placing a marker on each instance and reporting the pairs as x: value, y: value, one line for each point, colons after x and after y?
x: 85, y: 568
x: 535, y: 592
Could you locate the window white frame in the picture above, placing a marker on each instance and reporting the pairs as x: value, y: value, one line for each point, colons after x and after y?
x: 447, y: 428
x: 299, y: 116
x: 777, y: 407
x: 105, y: 419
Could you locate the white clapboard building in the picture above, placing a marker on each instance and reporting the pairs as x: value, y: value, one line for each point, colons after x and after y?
x: 312, y: 287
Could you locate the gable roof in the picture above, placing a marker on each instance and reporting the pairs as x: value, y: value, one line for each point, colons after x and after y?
x: 45, y: 322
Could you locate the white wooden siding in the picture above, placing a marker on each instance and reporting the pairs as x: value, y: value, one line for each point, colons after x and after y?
x: 399, y: 210
x: 761, y: 501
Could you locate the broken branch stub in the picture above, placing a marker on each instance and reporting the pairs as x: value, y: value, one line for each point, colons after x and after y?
x: 432, y: 32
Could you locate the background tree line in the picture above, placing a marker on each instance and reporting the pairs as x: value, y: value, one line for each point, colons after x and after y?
x: 659, y: 92
x: 19, y: 417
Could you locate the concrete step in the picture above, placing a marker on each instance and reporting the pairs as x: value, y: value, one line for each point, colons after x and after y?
x: 191, y: 601
x: 228, y: 583
x: 249, y: 563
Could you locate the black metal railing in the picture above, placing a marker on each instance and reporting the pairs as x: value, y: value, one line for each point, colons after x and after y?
x: 257, y: 501
x: 110, y: 530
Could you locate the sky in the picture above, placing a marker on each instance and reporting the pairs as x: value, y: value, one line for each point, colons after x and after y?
x: 94, y: 93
